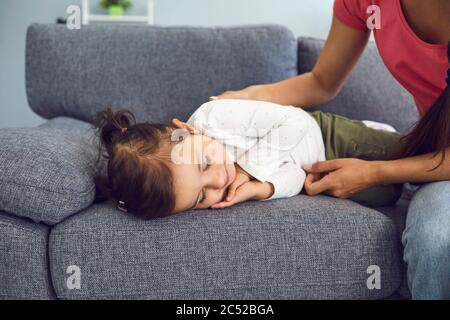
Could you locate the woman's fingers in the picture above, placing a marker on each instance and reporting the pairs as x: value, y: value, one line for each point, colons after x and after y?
x: 343, y: 177
x: 314, y: 187
x: 225, y: 95
x: 313, y: 177
x: 245, y: 94
x: 323, y: 166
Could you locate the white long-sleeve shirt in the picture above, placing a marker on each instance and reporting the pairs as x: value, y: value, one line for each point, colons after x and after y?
x: 269, y: 141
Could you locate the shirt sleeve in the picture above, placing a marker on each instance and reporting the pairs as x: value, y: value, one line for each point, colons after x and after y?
x: 239, y: 122
x: 352, y: 13
x: 287, y: 181
x: 263, y: 158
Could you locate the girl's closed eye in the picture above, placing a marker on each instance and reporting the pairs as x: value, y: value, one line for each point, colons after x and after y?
x: 201, y: 197
x: 206, y: 162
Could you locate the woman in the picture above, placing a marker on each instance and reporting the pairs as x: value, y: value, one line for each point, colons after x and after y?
x: 413, y: 40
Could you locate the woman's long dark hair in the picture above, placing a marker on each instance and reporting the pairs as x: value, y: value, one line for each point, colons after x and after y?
x: 432, y: 133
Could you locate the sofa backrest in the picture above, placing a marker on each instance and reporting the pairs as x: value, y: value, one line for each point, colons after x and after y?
x: 165, y: 72
x: 370, y: 92
x: 157, y: 72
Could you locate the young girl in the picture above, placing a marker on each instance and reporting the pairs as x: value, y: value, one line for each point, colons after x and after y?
x: 230, y: 151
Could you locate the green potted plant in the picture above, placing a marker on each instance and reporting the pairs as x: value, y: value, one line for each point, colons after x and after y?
x: 115, y: 7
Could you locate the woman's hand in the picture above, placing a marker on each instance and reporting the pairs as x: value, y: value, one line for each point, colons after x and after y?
x: 340, y: 178
x: 256, y: 92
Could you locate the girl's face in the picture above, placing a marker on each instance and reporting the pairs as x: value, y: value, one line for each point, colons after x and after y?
x: 201, y: 172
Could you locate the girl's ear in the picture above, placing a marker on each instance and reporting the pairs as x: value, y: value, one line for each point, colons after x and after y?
x: 183, y: 125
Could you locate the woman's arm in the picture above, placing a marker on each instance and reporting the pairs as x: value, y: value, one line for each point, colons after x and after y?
x: 339, y: 55
x: 345, y: 177
x: 416, y: 169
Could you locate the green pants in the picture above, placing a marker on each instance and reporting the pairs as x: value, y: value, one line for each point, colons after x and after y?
x: 345, y: 138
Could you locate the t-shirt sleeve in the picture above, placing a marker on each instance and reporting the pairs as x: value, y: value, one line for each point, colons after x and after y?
x: 351, y: 13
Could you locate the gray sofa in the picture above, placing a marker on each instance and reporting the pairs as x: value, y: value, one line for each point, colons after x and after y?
x: 297, y: 248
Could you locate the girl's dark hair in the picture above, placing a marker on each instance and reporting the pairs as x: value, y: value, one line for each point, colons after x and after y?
x: 432, y: 133
x: 137, y: 170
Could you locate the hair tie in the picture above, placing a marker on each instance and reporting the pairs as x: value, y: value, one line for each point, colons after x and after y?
x: 122, y: 206
x: 123, y: 130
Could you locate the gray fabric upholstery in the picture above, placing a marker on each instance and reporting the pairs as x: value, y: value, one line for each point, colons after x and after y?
x: 157, y: 72
x: 370, y: 93
x: 23, y: 259
x: 296, y: 248
x: 398, y: 215
x: 47, y: 172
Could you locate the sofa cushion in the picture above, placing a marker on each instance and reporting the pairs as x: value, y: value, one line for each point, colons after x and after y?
x: 370, y: 92
x: 23, y: 259
x: 47, y: 173
x: 297, y: 248
x: 398, y: 215
x: 157, y: 72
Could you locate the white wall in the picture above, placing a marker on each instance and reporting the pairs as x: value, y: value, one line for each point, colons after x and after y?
x: 303, y: 17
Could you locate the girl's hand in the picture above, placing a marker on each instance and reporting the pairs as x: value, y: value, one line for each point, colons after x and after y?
x: 340, y: 178
x: 241, y: 177
x: 251, y: 190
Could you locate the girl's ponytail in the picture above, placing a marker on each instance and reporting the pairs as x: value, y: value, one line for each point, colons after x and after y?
x: 109, y: 126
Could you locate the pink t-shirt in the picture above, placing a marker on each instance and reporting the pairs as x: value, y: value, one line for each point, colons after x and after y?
x: 419, y: 66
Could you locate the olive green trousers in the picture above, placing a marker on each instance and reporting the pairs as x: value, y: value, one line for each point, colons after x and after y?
x: 345, y: 138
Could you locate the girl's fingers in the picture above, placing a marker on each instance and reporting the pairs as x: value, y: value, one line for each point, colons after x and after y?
x: 242, y: 193
x: 222, y: 205
x: 231, y: 193
x: 232, y: 190
x: 239, y: 181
